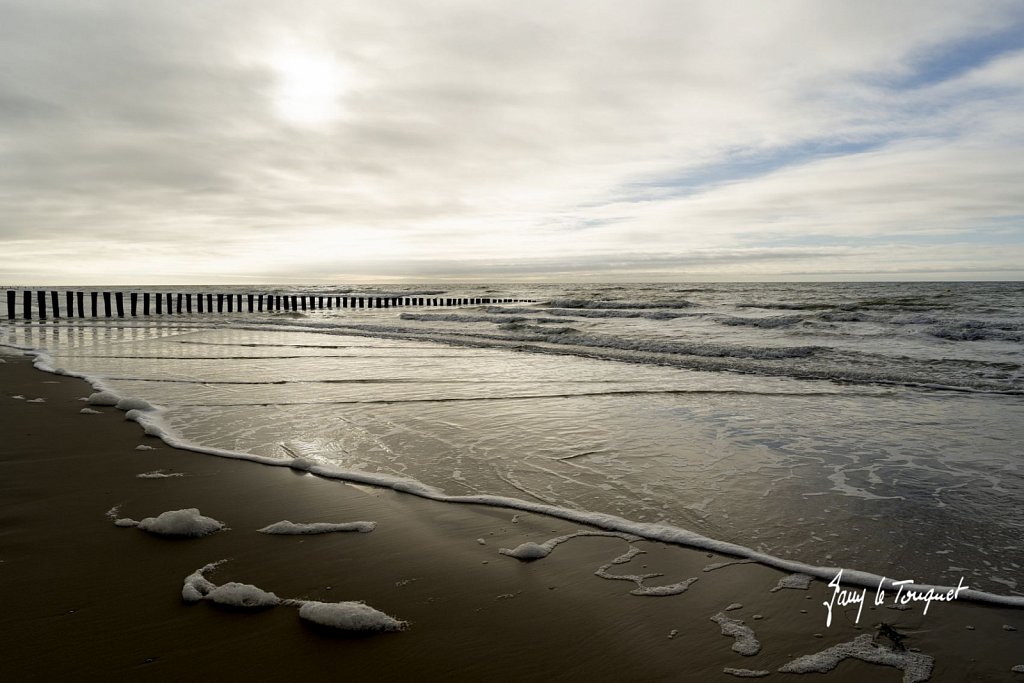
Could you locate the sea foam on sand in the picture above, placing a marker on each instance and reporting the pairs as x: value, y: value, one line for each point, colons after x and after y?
x: 187, y: 522
x: 346, y: 616
x: 746, y: 642
x: 916, y: 667
x: 349, y: 616
x: 286, y: 528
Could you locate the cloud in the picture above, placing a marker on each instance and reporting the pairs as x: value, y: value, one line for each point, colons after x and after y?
x: 459, y: 139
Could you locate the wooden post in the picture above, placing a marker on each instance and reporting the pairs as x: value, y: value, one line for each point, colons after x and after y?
x: 145, y: 303
x: 199, y: 303
x: 119, y: 299
x: 26, y: 305
x: 69, y: 299
x: 94, y: 297
x: 259, y: 303
x: 81, y: 303
x: 41, y: 300
x: 159, y: 303
x: 188, y: 303
x: 330, y: 302
x: 302, y: 300
x: 231, y: 303
x: 106, y: 304
x: 134, y: 297
x: 295, y: 302
x: 251, y: 297
x: 179, y: 303
x: 220, y: 303
x: 55, y: 304
x: 11, y: 306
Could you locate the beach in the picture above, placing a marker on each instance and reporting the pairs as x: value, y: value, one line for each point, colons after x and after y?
x: 85, y: 599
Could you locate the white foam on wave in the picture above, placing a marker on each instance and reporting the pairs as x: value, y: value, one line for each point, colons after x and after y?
x: 90, y: 411
x: 916, y: 667
x: 287, y: 528
x: 103, y: 398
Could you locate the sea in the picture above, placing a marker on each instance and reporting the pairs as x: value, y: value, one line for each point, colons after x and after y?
x: 875, y: 427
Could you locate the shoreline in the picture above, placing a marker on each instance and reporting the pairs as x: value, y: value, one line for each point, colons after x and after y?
x: 86, y: 600
x: 152, y: 424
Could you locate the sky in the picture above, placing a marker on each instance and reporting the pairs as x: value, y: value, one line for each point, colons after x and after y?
x: 210, y: 141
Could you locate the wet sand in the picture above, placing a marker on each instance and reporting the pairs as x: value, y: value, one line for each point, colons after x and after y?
x: 83, y: 599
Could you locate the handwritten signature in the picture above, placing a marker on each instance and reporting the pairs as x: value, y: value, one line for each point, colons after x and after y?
x: 845, y: 597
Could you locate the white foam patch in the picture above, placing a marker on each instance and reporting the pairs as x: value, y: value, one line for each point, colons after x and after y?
x: 245, y: 595
x: 286, y: 528
x: 89, y: 411
x: 196, y: 585
x: 1019, y: 669
x: 144, y: 447
x: 18, y: 397
x: 745, y: 673
x: 795, y: 581
x: 187, y: 522
x: 733, y: 606
x: 746, y: 642
x: 534, y: 551
x: 349, y: 616
x: 158, y: 474
x: 666, y: 590
x: 36, y: 400
x: 103, y: 398
x: 916, y: 667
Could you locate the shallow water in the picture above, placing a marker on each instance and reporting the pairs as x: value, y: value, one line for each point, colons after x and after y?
x: 868, y: 426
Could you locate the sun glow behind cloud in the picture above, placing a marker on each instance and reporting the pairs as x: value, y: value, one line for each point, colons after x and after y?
x: 308, y: 87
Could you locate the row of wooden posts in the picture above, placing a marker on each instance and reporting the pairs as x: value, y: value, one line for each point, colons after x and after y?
x: 166, y: 303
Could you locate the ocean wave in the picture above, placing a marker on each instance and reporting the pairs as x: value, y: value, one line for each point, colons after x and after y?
x: 978, y: 330
x: 783, y: 306
x: 590, y: 303
x: 463, y: 317
x: 597, y: 312
x: 767, y: 323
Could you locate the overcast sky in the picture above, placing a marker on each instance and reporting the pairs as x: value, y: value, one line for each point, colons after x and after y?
x: 207, y: 141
